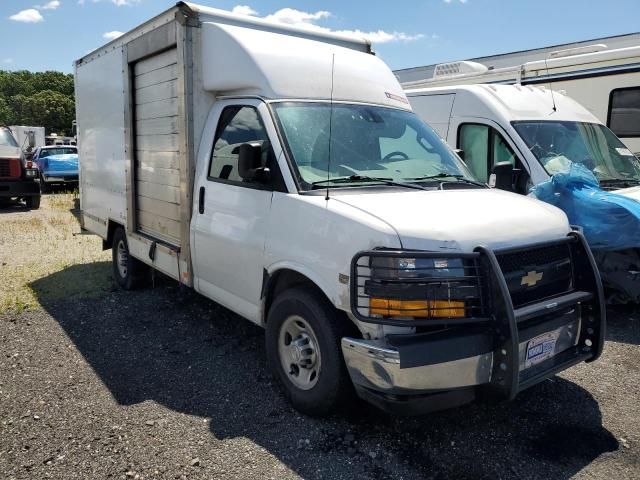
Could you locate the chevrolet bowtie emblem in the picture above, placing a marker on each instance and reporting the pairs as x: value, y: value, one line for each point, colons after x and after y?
x: 531, y: 278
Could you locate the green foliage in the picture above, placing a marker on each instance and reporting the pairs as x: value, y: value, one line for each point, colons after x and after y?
x: 38, y: 99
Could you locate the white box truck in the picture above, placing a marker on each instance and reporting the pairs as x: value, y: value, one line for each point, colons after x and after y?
x: 281, y: 173
x: 28, y: 136
x: 530, y: 133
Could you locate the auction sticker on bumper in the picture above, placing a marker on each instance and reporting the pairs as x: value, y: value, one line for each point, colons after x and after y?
x: 540, y: 348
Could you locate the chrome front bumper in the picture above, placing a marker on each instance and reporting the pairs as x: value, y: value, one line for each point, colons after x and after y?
x: 374, y: 365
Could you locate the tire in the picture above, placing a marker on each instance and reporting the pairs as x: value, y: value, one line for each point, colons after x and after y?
x: 44, y: 186
x: 33, y: 203
x: 128, y: 272
x: 329, y: 389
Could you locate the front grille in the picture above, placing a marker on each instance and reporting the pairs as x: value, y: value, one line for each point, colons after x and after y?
x: 537, y: 273
x: 9, y: 168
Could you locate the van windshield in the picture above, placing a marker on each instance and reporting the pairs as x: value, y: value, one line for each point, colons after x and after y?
x: 557, y: 144
x: 6, y: 138
x: 364, y: 144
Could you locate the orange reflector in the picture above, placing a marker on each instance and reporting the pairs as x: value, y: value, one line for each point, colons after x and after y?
x: 416, y: 308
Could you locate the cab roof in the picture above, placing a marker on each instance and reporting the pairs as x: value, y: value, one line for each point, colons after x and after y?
x: 516, y: 102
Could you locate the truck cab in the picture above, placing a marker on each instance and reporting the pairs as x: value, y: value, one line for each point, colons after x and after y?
x: 516, y: 137
x: 302, y: 193
x: 18, y: 178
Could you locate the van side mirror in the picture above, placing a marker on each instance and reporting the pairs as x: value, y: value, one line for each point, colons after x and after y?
x: 502, y: 176
x: 252, y: 162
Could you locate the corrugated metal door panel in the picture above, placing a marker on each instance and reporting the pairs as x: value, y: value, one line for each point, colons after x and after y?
x: 157, y: 159
x: 161, y: 176
x: 159, y: 91
x: 157, y: 126
x: 157, y: 146
x: 158, y: 192
x: 157, y: 109
x: 156, y: 62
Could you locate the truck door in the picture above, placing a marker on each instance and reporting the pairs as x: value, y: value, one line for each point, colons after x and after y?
x: 231, y: 215
x: 483, y: 146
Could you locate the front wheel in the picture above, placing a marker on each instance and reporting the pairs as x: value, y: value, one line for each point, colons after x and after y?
x: 303, y: 351
x: 128, y: 272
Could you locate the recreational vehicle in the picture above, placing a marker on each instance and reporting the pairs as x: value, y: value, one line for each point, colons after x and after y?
x: 603, y: 75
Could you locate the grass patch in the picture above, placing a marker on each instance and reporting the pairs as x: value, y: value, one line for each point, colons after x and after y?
x: 44, y: 258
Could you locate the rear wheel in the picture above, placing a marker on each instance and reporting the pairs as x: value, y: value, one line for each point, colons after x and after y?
x: 303, y: 351
x: 33, y: 203
x: 128, y: 272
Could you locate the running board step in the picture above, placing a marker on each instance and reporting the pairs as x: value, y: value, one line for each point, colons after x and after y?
x: 551, y: 305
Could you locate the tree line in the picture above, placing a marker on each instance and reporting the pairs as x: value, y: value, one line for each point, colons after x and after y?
x: 39, y: 99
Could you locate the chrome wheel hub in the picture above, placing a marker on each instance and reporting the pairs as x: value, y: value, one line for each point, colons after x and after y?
x: 122, y: 258
x: 299, y: 353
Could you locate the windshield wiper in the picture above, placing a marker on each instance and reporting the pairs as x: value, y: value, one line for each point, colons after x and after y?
x: 365, y: 178
x: 459, y: 178
x: 620, y: 181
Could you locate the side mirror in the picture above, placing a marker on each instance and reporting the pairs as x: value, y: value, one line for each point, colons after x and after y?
x: 460, y: 153
x: 502, y: 176
x: 251, y: 161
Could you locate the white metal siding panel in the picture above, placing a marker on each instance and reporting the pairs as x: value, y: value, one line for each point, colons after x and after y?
x: 101, y: 141
x: 157, y: 146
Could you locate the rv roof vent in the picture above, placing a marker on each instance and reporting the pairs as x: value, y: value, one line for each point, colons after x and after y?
x: 598, y: 47
x: 458, y: 68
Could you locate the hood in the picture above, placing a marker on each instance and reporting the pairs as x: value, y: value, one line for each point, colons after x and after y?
x: 7, y: 151
x: 461, y: 220
x: 60, y: 163
x: 633, y: 193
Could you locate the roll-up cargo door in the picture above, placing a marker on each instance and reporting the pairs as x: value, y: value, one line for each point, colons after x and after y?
x: 157, y: 155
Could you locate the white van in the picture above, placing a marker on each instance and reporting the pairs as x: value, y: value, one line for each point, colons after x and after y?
x: 536, y: 132
x: 602, y: 75
x: 281, y: 173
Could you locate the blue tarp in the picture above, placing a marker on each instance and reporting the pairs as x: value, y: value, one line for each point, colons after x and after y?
x: 609, y: 221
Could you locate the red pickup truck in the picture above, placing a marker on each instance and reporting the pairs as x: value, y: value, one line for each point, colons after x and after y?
x: 18, y: 178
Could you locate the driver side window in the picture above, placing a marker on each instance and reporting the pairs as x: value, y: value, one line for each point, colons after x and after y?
x: 483, y: 147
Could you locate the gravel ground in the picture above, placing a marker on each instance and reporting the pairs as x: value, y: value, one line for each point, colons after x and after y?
x: 161, y: 383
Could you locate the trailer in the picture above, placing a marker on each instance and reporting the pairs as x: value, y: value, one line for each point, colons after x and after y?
x: 280, y: 172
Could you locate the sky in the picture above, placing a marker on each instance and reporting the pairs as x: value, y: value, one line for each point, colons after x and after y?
x: 406, y: 33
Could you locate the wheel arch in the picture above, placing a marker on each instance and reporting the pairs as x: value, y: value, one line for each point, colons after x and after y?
x: 112, y: 226
x: 280, y: 278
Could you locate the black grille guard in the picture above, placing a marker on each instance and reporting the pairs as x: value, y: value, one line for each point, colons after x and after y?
x: 495, y: 313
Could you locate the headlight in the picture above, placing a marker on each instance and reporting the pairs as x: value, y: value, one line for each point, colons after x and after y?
x: 411, y: 286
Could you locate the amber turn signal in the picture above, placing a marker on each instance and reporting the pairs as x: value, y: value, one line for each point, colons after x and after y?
x: 416, y: 308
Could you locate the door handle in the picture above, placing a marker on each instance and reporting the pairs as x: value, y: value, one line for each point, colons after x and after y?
x: 201, y: 201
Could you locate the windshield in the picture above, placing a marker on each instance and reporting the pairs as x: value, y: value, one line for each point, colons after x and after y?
x: 557, y: 144
x: 6, y: 138
x: 368, y: 144
x: 47, y: 152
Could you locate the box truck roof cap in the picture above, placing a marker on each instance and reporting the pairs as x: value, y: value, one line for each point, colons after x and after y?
x: 249, y: 61
x: 243, y: 55
x: 519, y: 102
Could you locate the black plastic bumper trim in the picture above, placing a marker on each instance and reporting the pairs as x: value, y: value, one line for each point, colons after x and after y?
x: 408, y: 405
x: 20, y: 188
x: 440, y: 347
